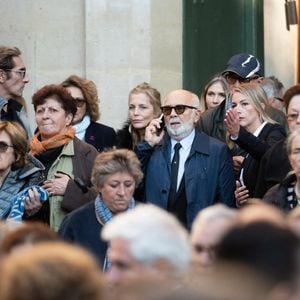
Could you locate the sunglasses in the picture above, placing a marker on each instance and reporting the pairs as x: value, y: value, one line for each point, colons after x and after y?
x: 200, y: 249
x: 233, y: 78
x: 179, y: 109
x: 79, y: 102
x: 4, y: 147
x: 279, y: 99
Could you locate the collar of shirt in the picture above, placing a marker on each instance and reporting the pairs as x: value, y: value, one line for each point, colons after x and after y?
x: 186, y: 144
x: 259, y: 129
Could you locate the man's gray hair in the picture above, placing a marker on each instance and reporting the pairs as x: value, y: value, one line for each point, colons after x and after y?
x: 272, y: 87
x: 211, y: 214
x: 152, y: 234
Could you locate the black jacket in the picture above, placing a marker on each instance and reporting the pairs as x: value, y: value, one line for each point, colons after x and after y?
x: 100, y: 136
x: 274, y: 166
x: 124, y: 138
x: 278, y: 194
x: 256, y: 147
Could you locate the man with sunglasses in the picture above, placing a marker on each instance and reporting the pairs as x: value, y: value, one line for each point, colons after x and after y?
x: 200, y: 166
x: 13, y: 79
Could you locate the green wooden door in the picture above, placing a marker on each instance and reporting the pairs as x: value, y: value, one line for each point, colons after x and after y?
x: 214, y: 30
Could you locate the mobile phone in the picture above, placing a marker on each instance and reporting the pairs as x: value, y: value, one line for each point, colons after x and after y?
x: 228, y: 104
x: 162, y: 125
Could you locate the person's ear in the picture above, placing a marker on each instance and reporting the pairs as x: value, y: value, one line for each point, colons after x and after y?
x: 197, y: 115
x: 3, y: 76
x: 259, y: 80
x: 69, y: 119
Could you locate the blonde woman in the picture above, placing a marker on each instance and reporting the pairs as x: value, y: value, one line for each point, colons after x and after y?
x: 251, y: 129
x: 143, y: 106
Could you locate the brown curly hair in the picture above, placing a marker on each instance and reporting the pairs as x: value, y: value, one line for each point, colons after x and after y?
x: 59, y: 93
x: 290, y: 93
x: 89, y: 91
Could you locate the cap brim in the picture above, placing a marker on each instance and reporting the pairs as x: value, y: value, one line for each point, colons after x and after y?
x: 235, y: 71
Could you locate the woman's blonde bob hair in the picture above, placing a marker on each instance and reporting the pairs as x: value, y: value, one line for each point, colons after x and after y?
x: 257, y: 97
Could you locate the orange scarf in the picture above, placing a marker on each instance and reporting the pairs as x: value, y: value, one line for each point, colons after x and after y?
x: 37, y: 147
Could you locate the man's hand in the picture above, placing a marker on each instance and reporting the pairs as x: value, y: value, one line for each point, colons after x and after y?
x: 151, y: 136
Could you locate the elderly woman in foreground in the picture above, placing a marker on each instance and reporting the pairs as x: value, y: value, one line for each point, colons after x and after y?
x: 68, y: 161
x: 115, y: 175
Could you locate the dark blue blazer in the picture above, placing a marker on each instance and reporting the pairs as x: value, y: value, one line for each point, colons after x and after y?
x: 100, y: 136
x: 81, y: 227
x: 208, y: 174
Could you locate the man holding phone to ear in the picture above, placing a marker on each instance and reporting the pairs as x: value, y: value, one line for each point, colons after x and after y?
x: 185, y: 170
x: 13, y: 79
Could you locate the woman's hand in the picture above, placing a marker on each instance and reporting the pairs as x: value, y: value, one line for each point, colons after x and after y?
x: 57, y: 185
x: 151, y: 136
x: 241, y: 194
x: 237, y: 162
x: 32, y: 202
x: 232, y: 123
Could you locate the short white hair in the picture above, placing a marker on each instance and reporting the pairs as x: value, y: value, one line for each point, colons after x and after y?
x: 210, y: 214
x: 152, y: 234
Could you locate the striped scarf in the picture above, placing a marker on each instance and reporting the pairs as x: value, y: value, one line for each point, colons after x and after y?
x: 18, y: 202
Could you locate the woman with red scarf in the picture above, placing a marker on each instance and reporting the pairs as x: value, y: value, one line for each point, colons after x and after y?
x: 68, y: 161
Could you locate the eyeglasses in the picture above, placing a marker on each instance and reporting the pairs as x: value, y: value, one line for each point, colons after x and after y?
x: 179, y: 109
x: 21, y: 72
x: 293, y: 117
x: 279, y: 99
x: 79, y: 102
x: 200, y: 249
x: 4, y: 147
x: 232, y: 78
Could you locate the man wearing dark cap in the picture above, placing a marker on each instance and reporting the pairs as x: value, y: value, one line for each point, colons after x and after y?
x: 241, y: 68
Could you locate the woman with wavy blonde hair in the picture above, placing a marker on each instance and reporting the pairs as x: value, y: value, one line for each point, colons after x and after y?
x: 143, y: 105
x: 84, y: 92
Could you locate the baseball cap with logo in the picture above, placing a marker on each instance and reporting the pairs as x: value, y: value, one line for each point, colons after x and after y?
x: 244, y: 65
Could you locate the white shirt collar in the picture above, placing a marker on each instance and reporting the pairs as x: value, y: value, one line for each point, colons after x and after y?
x: 259, y: 129
x: 186, y: 142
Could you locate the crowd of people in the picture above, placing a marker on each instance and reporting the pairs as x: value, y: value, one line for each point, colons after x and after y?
x: 190, y: 192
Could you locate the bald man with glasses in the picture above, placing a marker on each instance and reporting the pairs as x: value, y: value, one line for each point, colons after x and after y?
x: 13, y: 79
x: 185, y: 170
